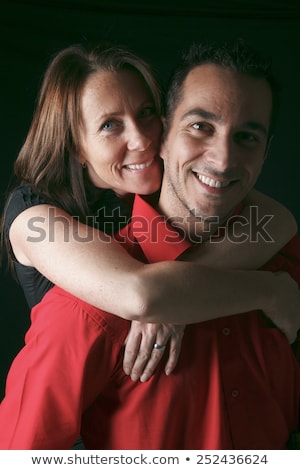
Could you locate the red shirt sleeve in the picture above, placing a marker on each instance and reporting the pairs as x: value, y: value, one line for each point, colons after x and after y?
x: 288, y: 259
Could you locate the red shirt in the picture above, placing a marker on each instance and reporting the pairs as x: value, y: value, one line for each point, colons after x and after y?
x: 236, y: 386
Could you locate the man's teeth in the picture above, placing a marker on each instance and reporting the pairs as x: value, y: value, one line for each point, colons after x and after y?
x: 139, y: 166
x: 213, y: 183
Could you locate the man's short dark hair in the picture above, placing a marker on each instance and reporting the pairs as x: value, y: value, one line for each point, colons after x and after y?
x: 237, y: 56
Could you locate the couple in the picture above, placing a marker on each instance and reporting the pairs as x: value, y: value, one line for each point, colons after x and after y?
x: 237, y: 383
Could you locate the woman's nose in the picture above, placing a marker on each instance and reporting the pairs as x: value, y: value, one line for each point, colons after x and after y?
x: 137, y: 140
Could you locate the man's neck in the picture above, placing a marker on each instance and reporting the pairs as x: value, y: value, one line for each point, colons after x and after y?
x: 194, y: 229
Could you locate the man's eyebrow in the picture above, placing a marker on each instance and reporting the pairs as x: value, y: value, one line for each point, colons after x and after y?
x: 200, y: 112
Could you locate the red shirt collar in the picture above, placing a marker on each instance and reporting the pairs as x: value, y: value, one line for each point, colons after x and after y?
x: 158, y: 240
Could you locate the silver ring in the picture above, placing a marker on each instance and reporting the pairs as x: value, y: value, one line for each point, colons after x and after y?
x: 159, y: 346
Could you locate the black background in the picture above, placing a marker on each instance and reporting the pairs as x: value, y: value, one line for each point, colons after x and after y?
x: 32, y: 31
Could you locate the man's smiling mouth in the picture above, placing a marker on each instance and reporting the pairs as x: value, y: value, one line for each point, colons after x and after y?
x: 213, y: 183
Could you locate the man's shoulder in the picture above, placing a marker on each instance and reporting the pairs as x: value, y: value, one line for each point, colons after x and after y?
x: 291, y: 251
x: 287, y: 259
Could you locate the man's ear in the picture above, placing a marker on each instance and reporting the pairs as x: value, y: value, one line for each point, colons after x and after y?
x: 268, y: 146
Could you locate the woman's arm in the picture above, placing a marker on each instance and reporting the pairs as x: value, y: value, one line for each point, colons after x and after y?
x: 95, y: 268
x: 98, y: 270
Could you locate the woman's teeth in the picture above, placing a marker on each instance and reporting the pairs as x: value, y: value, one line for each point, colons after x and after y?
x: 139, y: 166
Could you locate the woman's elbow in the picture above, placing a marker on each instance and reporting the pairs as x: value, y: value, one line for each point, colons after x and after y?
x: 138, y: 304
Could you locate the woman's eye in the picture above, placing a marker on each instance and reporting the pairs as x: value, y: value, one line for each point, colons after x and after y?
x: 148, y: 111
x: 108, y: 126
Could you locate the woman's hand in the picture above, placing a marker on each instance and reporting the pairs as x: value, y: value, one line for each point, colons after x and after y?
x: 146, y: 344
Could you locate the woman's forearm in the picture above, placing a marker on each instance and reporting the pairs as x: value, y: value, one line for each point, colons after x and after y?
x: 211, y: 293
x: 187, y: 293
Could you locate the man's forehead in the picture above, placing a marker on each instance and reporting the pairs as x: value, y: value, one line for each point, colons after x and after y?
x: 211, y: 77
x: 212, y: 87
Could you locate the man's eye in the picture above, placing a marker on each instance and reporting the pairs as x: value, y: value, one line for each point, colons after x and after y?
x: 203, y: 127
x: 246, y: 137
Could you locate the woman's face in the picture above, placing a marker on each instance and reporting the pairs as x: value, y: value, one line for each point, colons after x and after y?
x: 120, y: 133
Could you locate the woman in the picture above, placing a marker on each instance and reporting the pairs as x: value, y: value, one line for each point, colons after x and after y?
x: 95, y: 140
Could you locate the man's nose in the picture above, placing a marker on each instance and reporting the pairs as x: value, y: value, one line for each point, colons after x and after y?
x: 223, y: 153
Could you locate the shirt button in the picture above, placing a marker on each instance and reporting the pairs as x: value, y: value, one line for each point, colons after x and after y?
x: 226, y: 331
x: 235, y: 393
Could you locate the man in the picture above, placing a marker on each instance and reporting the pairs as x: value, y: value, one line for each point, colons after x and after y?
x: 237, y: 383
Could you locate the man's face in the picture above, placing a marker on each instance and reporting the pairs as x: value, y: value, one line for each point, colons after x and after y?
x: 216, y: 145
